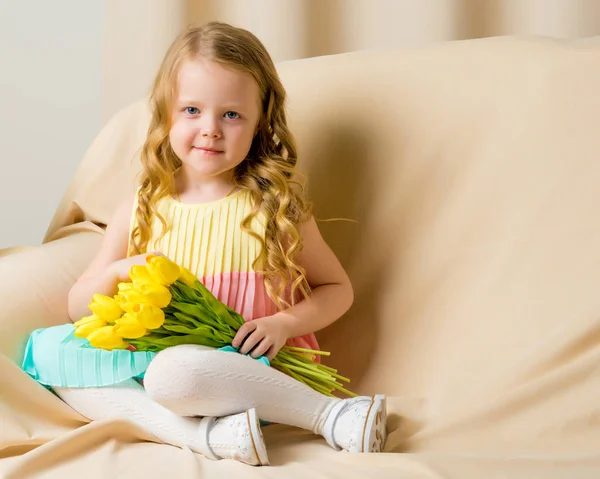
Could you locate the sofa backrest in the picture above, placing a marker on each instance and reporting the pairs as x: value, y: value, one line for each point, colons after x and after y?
x: 471, y: 170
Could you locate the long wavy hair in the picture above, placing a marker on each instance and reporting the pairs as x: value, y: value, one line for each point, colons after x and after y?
x: 268, y: 171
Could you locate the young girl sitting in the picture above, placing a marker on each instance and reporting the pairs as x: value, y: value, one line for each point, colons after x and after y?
x: 217, y: 195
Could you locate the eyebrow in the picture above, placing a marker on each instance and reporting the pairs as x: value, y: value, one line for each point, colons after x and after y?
x: 227, y: 106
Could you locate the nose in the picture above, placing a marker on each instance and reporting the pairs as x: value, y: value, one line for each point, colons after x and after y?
x: 210, y: 133
x: 210, y: 129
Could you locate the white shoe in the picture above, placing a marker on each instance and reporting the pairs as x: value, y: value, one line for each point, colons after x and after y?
x: 357, y: 424
x: 234, y: 437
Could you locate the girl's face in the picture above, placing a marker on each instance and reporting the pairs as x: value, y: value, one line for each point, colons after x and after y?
x: 215, y: 116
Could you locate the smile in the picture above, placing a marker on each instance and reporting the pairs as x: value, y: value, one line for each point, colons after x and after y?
x: 208, y: 151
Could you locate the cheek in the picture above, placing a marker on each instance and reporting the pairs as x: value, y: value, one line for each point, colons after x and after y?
x: 244, y: 137
x: 181, y: 137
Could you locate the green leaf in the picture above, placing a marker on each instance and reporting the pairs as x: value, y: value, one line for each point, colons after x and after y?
x: 199, y: 331
x: 193, y: 310
x: 198, y: 319
x: 158, y: 344
x: 185, y: 291
x: 219, y: 308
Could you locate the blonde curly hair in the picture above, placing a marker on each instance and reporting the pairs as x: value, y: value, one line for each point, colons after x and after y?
x: 269, y: 170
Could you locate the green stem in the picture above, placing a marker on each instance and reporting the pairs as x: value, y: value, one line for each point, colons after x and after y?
x: 324, y: 369
x: 302, y: 362
x: 338, y: 376
x: 332, y: 370
x: 311, y: 384
x: 345, y: 391
x: 309, y: 372
x: 307, y: 351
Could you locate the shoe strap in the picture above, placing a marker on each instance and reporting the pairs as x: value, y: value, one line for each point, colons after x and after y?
x: 330, y: 423
x: 206, y: 425
x: 336, y: 412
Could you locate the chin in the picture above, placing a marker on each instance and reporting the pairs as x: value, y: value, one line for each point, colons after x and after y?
x: 200, y: 169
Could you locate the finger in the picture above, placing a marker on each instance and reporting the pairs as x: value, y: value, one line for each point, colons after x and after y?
x: 244, y: 331
x: 273, y: 350
x: 271, y: 353
x: 261, y: 348
x: 250, y: 342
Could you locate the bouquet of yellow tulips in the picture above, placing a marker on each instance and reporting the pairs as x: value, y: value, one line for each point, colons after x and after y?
x: 166, y: 305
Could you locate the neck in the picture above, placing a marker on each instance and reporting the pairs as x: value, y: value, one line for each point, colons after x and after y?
x: 201, y: 189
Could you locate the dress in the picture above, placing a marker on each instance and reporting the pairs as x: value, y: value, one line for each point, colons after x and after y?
x: 207, y: 239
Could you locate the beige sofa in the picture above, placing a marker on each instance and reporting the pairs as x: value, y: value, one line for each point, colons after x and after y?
x: 473, y: 171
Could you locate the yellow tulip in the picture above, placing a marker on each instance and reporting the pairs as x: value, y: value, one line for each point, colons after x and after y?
x: 147, y: 293
x: 129, y: 327
x: 187, y: 277
x: 105, y: 307
x: 87, y: 324
x: 119, y: 298
x: 106, y: 338
x: 124, y: 286
x: 85, y: 319
x: 157, y: 295
x: 163, y: 270
x: 139, y: 274
x: 132, y: 295
x: 149, y: 315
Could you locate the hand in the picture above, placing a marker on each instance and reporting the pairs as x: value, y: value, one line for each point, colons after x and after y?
x: 121, y: 267
x: 263, y: 336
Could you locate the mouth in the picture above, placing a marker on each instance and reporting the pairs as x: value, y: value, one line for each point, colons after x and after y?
x: 206, y: 148
x: 208, y: 151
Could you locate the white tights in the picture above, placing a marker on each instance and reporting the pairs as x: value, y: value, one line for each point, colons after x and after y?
x: 189, y: 380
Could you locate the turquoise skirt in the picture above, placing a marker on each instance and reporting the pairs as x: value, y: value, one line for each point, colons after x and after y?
x: 55, y: 357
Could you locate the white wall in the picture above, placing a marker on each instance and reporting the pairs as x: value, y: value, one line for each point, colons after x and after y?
x: 50, y: 106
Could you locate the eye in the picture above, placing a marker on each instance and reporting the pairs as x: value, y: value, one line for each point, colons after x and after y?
x: 232, y: 115
x: 192, y: 110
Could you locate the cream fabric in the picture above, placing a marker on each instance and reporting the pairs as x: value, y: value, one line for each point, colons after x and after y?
x: 472, y: 171
x: 294, y: 29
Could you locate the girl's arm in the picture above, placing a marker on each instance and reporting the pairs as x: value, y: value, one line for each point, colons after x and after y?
x: 103, y: 273
x: 331, y: 297
x: 331, y: 294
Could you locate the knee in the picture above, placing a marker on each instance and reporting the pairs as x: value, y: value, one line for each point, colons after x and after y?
x: 169, y: 378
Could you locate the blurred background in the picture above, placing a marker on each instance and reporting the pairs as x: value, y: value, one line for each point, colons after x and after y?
x: 69, y: 65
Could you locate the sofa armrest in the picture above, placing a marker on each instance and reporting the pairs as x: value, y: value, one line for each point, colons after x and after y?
x: 34, y: 285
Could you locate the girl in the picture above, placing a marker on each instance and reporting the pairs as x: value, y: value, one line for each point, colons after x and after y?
x: 217, y: 196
